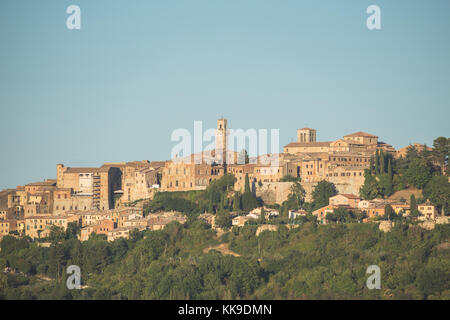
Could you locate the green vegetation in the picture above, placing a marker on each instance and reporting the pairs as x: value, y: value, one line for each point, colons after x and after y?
x: 290, y: 179
x: 322, y: 193
x: 420, y: 169
x: 308, y: 262
x: 212, y: 199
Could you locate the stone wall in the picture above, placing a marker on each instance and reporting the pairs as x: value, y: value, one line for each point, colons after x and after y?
x: 273, y: 192
x: 277, y: 192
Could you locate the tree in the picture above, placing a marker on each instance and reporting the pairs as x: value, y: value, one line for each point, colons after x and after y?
x: 389, y: 213
x: 73, y: 230
x: 369, y: 189
x: 288, y: 178
x: 56, y: 235
x: 413, y: 206
x: 390, y: 182
x: 249, y: 201
x: 418, y: 173
x: 247, y: 184
x: 223, y: 220
x: 237, y: 202
x: 382, y: 162
x: 297, y: 194
x: 411, y: 153
x: 377, y: 162
x: 441, y: 151
x: 438, y: 192
x: 262, y: 217
x: 433, y: 280
x: 322, y: 192
x: 340, y: 215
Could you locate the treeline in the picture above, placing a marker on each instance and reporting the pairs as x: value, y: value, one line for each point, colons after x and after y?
x: 306, y: 262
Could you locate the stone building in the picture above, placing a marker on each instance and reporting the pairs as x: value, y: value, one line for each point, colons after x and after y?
x: 35, y: 226
x: 89, y: 187
x: 140, y: 179
x: 102, y: 227
x: 6, y: 226
x: 186, y: 174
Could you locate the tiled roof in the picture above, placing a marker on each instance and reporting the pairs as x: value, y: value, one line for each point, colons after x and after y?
x: 308, y: 144
x: 82, y: 170
x: 361, y: 134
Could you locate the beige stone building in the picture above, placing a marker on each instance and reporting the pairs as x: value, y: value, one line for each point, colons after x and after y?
x: 350, y: 200
x: 123, y: 232
x: 102, y: 227
x: 35, y: 226
x: 140, y: 179
x: 428, y: 210
x: 89, y: 187
x: 6, y: 226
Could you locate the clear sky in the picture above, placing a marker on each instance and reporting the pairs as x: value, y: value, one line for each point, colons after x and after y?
x: 116, y: 89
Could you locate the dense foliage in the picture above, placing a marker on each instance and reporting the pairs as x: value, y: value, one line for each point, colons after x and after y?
x: 423, y: 170
x: 307, y: 262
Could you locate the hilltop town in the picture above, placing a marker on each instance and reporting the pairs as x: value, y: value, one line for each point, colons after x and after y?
x: 113, y: 200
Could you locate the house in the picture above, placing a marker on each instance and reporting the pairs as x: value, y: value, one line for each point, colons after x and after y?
x: 428, y: 210
x: 123, y: 232
x: 377, y: 211
x: 208, y: 218
x: 39, y: 226
x: 296, y: 213
x: 350, y: 200
x: 102, y: 227
x: 240, y: 221
x: 322, y: 212
x: 401, y: 207
x: 6, y: 226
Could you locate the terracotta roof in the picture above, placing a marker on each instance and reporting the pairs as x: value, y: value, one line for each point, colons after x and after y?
x: 307, y: 129
x: 308, y: 144
x: 157, y: 164
x: 144, y: 163
x: 350, y: 196
x: 82, y: 170
x: 42, y: 183
x: 361, y: 134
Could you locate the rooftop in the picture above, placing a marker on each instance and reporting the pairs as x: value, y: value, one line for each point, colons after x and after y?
x: 361, y: 134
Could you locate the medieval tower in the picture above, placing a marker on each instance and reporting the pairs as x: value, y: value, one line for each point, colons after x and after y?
x: 306, y: 135
x: 221, y: 141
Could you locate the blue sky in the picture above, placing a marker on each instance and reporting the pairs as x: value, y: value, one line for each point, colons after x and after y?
x: 116, y: 89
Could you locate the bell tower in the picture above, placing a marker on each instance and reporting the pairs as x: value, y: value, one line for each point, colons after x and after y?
x: 221, y: 141
x: 306, y: 135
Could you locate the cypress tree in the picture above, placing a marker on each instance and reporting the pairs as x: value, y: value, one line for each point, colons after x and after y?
x: 390, y: 184
x: 247, y: 184
x: 413, y: 206
x: 372, y: 165
x: 248, y: 198
x: 237, y: 202
x: 377, y: 162
x: 382, y: 163
x: 390, y: 173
